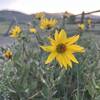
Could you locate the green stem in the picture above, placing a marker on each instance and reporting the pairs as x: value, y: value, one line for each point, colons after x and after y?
x: 40, y: 41
x: 78, y: 94
x: 25, y: 69
x: 49, y: 94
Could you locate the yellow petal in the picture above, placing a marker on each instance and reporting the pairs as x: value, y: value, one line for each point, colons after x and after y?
x: 71, y: 57
x: 75, y: 48
x: 52, y: 41
x: 48, y: 48
x: 59, y: 60
x: 62, y: 60
x: 68, y: 61
x: 51, y: 57
x: 62, y: 34
x: 65, y: 61
x: 72, y: 40
x: 56, y: 35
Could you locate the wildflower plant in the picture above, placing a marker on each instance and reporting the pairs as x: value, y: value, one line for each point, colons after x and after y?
x: 15, y: 31
x: 81, y: 27
x: 46, y: 23
x: 29, y: 76
x: 62, y: 49
x: 32, y: 30
x: 40, y: 15
x: 8, y: 54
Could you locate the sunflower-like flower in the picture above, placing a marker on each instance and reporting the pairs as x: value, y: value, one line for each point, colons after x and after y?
x: 8, y: 54
x: 40, y: 15
x: 15, y: 31
x: 32, y: 30
x: 89, y: 21
x: 81, y: 26
x: 62, y: 49
x: 46, y: 23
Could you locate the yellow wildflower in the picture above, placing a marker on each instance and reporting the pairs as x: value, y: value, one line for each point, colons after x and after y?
x: 32, y: 30
x: 81, y: 26
x: 46, y: 23
x: 15, y: 31
x: 7, y: 54
x: 62, y: 49
x: 89, y: 21
x: 40, y: 15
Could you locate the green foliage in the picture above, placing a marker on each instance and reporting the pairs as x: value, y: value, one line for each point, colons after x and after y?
x: 26, y: 77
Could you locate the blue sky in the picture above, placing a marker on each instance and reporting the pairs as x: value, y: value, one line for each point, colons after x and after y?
x: 32, y: 6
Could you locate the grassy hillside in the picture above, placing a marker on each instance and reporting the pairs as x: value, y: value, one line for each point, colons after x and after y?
x: 10, y: 15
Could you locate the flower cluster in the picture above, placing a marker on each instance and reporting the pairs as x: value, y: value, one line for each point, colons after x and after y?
x: 62, y: 48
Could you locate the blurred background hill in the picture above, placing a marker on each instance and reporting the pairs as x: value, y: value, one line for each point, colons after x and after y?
x: 8, y: 16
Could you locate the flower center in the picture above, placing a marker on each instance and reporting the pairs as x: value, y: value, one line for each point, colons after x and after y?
x: 48, y: 26
x: 61, y: 48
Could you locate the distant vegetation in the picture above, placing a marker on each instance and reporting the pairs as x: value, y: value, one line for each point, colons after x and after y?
x: 6, y: 15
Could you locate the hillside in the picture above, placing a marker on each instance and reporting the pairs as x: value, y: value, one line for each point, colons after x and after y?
x: 6, y: 15
x: 9, y: 16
